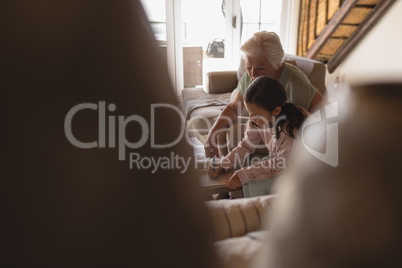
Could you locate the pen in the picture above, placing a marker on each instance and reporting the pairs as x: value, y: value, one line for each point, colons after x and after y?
x: 213, y: 159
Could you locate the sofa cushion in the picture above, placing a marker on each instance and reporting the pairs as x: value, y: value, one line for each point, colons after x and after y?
x: 202, y: 119
x: 195, y: 98
x: 236, y: 217
x: 201, y: 109
x: 218, y: 82
x: 314, y: 70
x: 238, y: 252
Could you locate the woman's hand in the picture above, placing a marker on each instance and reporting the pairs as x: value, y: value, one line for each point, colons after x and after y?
x: 234, y: 182
x: 210, y: 146
x: 214, y: 169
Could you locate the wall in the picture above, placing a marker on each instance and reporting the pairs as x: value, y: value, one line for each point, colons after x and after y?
x: 377, y: 57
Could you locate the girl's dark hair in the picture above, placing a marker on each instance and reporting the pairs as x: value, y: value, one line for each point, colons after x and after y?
x: 268, y: 94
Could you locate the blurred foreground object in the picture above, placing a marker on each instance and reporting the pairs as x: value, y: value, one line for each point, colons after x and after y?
x: 64, y: 206
x: 350, y: 215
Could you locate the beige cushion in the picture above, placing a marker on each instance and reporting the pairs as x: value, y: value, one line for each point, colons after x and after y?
x: 314, y: 70
x: 218, y: 82
x: 236, y: 217
x: 202, y: 119
x: 238, y: 252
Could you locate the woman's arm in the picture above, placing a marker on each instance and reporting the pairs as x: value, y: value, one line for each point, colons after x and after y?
x: 225, y: 119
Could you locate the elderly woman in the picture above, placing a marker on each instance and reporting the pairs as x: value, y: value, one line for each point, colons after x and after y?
x: 263, y: 55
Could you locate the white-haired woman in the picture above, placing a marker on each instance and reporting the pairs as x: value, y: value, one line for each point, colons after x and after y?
x: 263, y: 54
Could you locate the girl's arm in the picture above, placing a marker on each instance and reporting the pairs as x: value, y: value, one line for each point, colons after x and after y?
x: 246, y: 147
x: 271, y: 167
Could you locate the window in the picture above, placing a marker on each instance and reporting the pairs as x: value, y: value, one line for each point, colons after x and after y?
x: 202, y: 36
x: 258, y: 15
x: 156, y: 17
x: 204, y: 39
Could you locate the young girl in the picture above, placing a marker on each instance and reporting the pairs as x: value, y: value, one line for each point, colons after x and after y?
x: 274, y: 120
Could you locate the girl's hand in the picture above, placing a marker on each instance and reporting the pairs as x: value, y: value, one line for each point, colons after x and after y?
x: 214, y: 172
x: 234, y: 182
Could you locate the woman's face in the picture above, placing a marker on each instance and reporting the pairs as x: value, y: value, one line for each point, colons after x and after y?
x: 258, y: 66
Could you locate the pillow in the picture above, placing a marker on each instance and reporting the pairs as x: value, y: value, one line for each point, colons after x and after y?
x: 238, y: 252
x: 236, y: 217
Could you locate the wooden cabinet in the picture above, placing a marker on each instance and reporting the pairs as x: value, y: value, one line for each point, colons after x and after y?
x: 192, y: 65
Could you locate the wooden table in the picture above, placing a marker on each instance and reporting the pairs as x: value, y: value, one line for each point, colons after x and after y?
x: 208, y: 186
x: 214, y: 186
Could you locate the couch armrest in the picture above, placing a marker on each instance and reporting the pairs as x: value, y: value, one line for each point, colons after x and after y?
x: 219, y: 82
x: 232, y: 218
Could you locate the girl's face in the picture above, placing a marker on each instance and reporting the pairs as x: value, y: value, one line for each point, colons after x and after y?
x: 258, y: 66
x: 259, y: 116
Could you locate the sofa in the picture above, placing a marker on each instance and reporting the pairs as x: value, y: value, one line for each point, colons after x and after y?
x: 202, y: 106
x: 239, y: 228
x: 325, y: 216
